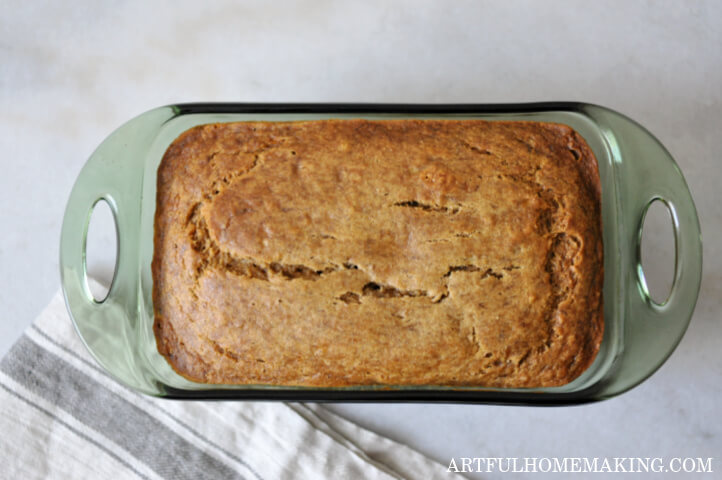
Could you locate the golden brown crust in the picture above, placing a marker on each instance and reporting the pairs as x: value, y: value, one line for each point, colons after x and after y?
x: 395, y: 252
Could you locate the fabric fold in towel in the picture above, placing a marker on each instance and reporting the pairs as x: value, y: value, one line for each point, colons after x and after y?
x: 62, y: 416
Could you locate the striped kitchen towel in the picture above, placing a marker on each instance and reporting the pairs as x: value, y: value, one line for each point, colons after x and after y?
x: 61, y: 416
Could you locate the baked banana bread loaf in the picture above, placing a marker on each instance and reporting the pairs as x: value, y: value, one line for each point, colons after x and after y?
x: 394, y: 252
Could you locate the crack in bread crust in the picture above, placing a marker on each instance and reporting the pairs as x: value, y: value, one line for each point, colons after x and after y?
x: 212, y: 256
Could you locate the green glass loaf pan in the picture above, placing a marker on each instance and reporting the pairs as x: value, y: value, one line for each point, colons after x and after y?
x: 635, y: 170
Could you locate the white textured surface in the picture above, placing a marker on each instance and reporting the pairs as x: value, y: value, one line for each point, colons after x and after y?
x: 70, y: 75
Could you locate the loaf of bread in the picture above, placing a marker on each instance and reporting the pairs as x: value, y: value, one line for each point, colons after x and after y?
x: 338, y: 253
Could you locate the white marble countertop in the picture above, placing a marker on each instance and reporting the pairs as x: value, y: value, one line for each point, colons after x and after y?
x: 69, y: 76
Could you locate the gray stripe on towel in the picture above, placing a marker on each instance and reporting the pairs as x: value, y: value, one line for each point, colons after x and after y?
x: 72, y: 429
x: 128, y: 426
x: 169, y: 415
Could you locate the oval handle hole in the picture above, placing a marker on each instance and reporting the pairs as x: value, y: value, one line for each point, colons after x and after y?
x: 101, y: 250
x: 658, y: 252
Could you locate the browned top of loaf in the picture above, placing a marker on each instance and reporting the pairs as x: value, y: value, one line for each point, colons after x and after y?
x: 396, y: 252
